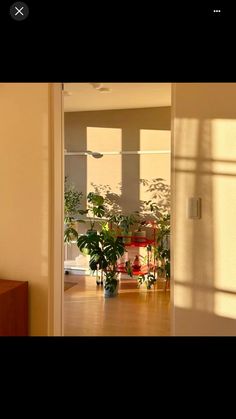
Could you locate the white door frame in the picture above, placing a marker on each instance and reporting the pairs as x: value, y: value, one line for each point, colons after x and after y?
x: 56, y: 289
x: 172, y: 209
x: 56, y: 286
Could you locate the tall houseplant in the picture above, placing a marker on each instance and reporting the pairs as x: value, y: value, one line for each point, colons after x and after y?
x: 162, y: 247
x: 96, y: 209
x: 72, y: 211
x: 104, y: 250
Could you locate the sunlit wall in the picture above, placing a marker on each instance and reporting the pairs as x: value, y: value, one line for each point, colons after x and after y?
x: 204, y: 165
x: 25, y: 183
x: 154, y: 165
x: 108, y: 169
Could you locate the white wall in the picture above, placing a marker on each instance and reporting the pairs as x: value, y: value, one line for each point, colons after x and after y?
x: 204, y: 165
x: 26, y: 185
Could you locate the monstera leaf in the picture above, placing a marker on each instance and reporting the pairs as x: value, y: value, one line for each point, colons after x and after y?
x: 113, y: 249
x: 88, y: 243
x: 70, y: 234
x: 97, y: 260
x: 104, y: 249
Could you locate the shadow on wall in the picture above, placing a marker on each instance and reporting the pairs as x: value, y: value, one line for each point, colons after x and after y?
x: 204, y: 260
x: 157, y: 191
x: 113, y: 200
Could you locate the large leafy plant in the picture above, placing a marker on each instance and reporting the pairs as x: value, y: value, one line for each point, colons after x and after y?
x: 72, y: 211
x: 104, y: 250
x: 162, y: 247
x: 124, y: 221
x: 96, y: 208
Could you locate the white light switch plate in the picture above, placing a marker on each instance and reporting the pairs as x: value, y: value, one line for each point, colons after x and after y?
x: 194, y: 208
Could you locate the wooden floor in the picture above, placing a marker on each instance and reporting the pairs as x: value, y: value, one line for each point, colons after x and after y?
x: 134, y: 312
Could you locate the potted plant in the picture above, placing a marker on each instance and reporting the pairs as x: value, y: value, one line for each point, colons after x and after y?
x: 72, y: 210
x: 96, y: 209
x: 104, y: 250
x: 162, y: 248
x: 125, y: 222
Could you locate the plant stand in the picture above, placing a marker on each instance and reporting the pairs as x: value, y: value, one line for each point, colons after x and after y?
x: 149, y: 269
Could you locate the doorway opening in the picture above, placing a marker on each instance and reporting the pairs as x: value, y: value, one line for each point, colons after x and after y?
x: 117, y: 159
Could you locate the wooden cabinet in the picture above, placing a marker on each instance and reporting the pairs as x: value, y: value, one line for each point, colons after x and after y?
x: 13, y: 308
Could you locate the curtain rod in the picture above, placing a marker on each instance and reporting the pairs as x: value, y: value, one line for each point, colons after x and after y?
x: 83, y: 153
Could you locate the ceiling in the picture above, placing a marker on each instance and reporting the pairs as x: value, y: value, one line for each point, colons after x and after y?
x: 84, y: 97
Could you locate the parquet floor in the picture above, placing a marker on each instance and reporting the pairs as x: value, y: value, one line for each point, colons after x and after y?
x: 134, y: 312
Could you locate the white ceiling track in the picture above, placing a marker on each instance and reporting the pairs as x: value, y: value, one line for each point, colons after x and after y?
x: 111, y: 153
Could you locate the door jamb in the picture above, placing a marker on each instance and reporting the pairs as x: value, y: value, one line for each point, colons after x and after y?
x: 56, y: 286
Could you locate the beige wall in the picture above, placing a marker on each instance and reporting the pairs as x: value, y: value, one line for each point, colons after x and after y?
x: 118, y: 130
x: 25, y: 184
x: 204, y: 165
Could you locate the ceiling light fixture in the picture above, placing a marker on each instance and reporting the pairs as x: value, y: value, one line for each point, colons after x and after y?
x: 94, y: 154
x: 96, y: 85
x: 67, y: 93
x: 104, y: 90
x: 100, y: 88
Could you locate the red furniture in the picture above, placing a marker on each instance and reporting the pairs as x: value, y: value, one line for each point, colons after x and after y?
x: 144, y: 270
x: 137, y: 241
x: 13, y: 308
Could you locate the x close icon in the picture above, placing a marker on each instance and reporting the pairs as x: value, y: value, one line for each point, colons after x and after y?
x: 19, y: 11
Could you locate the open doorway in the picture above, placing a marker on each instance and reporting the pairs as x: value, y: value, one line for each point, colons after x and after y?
x: 117, y: 179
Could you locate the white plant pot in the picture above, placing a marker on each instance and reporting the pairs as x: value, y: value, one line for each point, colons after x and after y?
x: 140, y: 236
x: 109, y: 294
